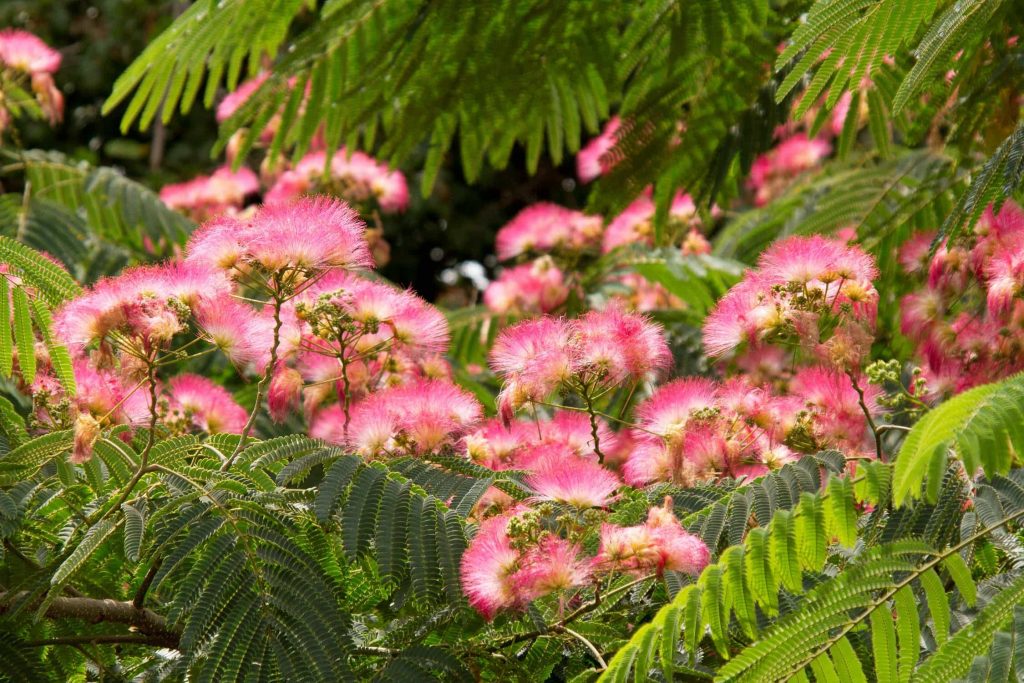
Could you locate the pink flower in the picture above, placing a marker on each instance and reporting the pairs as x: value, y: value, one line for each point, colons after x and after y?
x: 355, y: 176
x: 660, y: 543
x: 236, y: 329
x: 573, y: 481
x: 635, y: 224
x: 536, y: 287
x: 86, y: 432
x: 915, y: 254
x: 771, y: 172
x: 284, y: 393
x: 671, y: 408
x: 417, y: 418
x: 594, y: 159
x: 553, y: 564
x: 534, y: 357
x: 216, y: 245
x: 544, y: 227
x: 210, y: 406
x: 573, y: 430
x: 26, y: 52
x: 235, y: 99
x: 620, y: 345
x: 838, y: 418
x: 487, y: 567
x: 310, y: 234
x: 206, y: 197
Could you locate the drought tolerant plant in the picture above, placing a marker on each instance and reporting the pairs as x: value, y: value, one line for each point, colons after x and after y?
x: 752, y: 413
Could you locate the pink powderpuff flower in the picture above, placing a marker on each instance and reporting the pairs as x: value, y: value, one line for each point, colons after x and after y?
x: 647, y: 461
x: 771, y: 172
x: 494, y: 445
x: 215, y: 244
x: 1004, y: 275
x: 204, y: 197
x: 284, y: 393
x: 314, y: 233
x: 27, y: 52
x: 635, y: 224
x: 671, y: 408
x: 210, y: 406
x: 356, y: 176
x: 623, y: 345
x: 544, y: 227
x: 676, y: 548
x: 594, y: 159
x: 138, y: 297
x: 740, y: 317
x: 573, y: 429
x: 535, y: 287
x: 419, y: 418
x: 98, y: 391
x: 920, y: 312
x: 328, y: 424
x: 816, y: 259
x: 553, y: 564
x: 838, y: 418
x: 238, y: 330
x: 235, y: 99
x: 487, y: 567
x: 534, y: 354
x: 660, y: 543
x: 915, y: 253
x: 574, y: 481
x: 695, y: 244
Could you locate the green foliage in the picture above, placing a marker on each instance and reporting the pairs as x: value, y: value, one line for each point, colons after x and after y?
x: 982, y: 427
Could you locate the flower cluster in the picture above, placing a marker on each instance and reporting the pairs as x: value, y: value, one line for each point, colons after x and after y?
x: 24, y: 55
x: 586, y: 357
x: 811, y: 296
x: 515, y: 559
x: 965, y: 319
x: 595, y: 159
x: 125, y: 330
x: 355, y: 176
x: 204, y: 197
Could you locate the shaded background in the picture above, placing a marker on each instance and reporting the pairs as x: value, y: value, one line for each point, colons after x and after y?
x: 99, y: 39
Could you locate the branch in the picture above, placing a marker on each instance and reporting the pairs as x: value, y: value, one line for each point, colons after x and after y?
x: 109, y: 639
x: 95, y: 610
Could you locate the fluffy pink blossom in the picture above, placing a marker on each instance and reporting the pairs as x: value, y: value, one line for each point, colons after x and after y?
x: 573, y: 429
x: 388, y: 316
x: 771, y: 172
x: 210, y: 406
x: 204, y: 197
x: 545, y: 227
x: 487, y: 568
x: 594, y: 159
x: 235, y: 99
x: 839, y: 420
x: 27, y: 52
x: 635, y: 224
x: 284, y: 392
x: 553, y: 564
x: 535, y: 287
x: 314, y: 233
x: 136, y: 303
x: 417, y: 418
x: 355, y: 176
x: 671, y: 408
x: 574, y: 481
x: 534, y: 356
x: 619, y: 345
x: 660, y: 543
x: 243, y: 335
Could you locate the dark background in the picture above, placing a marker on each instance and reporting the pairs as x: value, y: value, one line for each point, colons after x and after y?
x: 99, y: 39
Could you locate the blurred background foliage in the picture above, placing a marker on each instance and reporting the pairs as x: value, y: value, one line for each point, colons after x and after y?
x: 99, y: 39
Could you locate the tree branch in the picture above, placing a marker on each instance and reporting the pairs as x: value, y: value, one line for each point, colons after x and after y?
x: 109, y: 639
x: 95, y: 610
